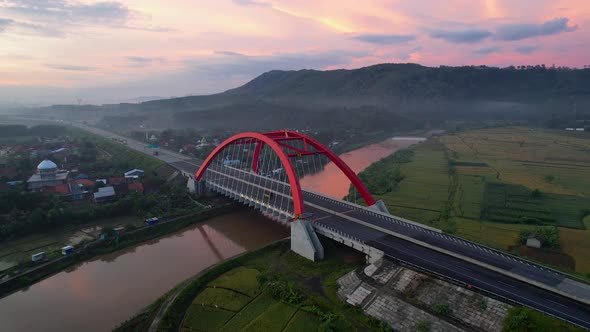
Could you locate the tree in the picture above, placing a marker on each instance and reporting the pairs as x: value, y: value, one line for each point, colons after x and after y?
x: 536, y: 193
x: 549, y: 178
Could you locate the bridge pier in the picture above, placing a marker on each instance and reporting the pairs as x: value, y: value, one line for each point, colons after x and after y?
x: 304, y: 240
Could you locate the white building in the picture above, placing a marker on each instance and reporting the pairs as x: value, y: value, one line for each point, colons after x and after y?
x: 47, y: 175
x: 533, y: 242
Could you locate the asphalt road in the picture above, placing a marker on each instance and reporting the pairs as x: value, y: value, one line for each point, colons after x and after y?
x: 164, y: 155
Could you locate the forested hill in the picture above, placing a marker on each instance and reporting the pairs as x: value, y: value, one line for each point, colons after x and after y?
x: 380, y: 97
x: 416, y: 81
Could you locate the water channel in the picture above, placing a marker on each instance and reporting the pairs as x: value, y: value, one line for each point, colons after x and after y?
x: 101, y: 293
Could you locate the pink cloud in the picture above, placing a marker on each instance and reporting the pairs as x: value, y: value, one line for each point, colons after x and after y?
x: 151, y: 40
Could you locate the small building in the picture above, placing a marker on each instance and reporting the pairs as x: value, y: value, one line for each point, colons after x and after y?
x: 569, y: 129
x: 84, y: 183
x: 134, y: 173
x: 38, y: 256
x: 67, y: 250
x: 137, y: 187
x: 81, y: 176
x: 533, y: 242
x: 104, y: 194
x: 103, y: 181
x: 580, y: 129
x: 116, y: 180
x: 47, y: 175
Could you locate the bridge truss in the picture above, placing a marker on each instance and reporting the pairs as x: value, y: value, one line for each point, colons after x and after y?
x: 264, y: 170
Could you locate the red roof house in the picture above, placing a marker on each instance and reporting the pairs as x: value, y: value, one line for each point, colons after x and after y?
x: 135, y: 187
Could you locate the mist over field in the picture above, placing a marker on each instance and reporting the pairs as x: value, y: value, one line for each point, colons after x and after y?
x: 386, y: 97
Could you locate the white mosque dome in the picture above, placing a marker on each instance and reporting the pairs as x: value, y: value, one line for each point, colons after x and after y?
x: 47, y: 165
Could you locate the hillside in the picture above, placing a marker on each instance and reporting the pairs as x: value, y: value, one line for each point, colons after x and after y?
x: 408, y: 94
x: 416, y: 81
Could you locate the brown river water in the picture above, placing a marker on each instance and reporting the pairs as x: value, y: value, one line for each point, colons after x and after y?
x: 101, y: 293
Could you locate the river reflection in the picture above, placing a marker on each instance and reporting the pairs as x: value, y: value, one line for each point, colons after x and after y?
x: 101, y: 293
x: 332, y: 182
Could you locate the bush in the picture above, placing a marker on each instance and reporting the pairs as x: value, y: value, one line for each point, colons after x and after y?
x: 441, y: 309
x: 423, y: 326
x: 549, y: 236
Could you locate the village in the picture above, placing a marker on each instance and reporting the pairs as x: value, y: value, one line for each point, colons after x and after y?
x: 74, y: 180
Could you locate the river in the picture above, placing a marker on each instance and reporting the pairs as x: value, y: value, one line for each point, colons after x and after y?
x: 101, y: 293
x: 330, y: 181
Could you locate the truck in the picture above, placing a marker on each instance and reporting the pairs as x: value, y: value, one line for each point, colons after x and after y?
x: 38, y: 256
x: 67, y: 250
x: 152, y: 221
x: 119, y: 230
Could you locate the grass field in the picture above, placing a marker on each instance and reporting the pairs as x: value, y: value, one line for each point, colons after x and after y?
x: 314, y: 282
x: 480, y: 185
x: 230, y: 309
x: 423, y: 192
x: 524, y: 320
x: 242, y: 279
x: 302, y: 321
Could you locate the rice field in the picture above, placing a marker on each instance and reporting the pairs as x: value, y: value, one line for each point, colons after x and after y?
x: 235, y: 302
x: 482, y: 181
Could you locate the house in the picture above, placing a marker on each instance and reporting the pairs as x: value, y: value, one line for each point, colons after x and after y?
x: 69, y: 191
x: 137, y: 187
x: 104, y: 194
x: 133, y: 175
x: 84, y: 183
x: 62, y: 151
x: 81, y: 176
x: 116, y: 180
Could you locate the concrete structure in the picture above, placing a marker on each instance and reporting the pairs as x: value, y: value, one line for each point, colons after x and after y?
x: 47, y: 175
x: 373, y: 256
x: 104, y: 194
x: 304, y: 240
x: 384, y: 295
x: 533, y: 242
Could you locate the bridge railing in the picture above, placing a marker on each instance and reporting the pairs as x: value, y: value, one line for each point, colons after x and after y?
x: 465, y: 242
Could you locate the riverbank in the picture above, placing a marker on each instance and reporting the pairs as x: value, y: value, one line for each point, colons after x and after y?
x: 100, y: 247
x: 291, y: 284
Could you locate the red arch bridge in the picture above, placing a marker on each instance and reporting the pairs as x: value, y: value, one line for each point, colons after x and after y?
x: 266, y: 171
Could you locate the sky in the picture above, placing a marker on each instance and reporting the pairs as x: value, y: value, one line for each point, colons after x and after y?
x: 59, y: 51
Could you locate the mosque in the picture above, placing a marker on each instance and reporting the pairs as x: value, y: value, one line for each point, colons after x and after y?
x: 47, y: 175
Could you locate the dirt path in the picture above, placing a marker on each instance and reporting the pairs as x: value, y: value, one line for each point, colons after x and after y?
x: 171, y: 298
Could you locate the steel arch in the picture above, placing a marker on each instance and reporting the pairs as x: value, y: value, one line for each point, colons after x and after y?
x: 298, y: 207
x: 289, y: 135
